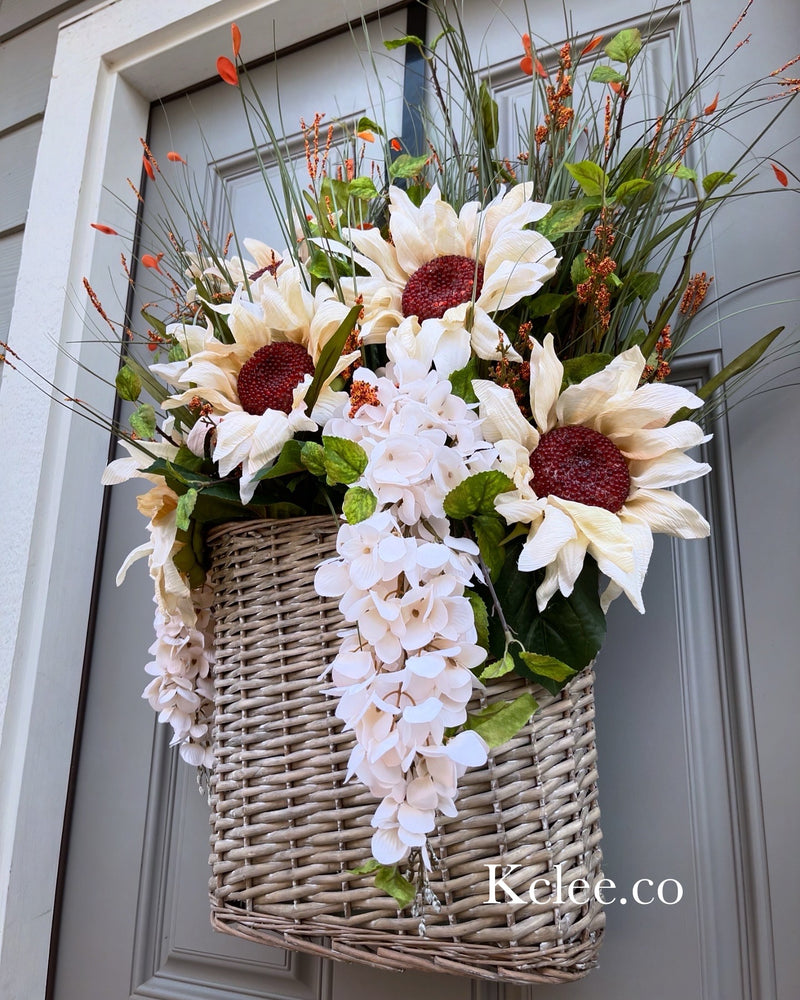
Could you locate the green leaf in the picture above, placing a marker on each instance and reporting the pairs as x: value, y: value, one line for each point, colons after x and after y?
x: 489, y: 533
x: 644, y: 284
x: 312, y: 455
x: 579, y: 272
x: 498, y: 722
x: 739, y: 364
x: 606, y: 74
x: 631, y: 189
x: 577, y: 369
x: 547, y: 668
x: 545, y: 303
x: 358, y: 504
x: 186, y: 505
x: 683, y: 173
x: 396, y: 43
x: 187, y: 459
x: 367, y: 868
x: 128, y: 383
x: 712, y: 181
x: 475, y: 495
x: 345, y: 460
x: 389, y: 879
x: 176, y: 353
x: 570, y: 629
x: 362, y: 188
x: 367, y: 124
x: 329, y: 355
x: 624, y: 46
x: 489, y: 116
x: 288, y: 462
x: 157, y: 324
x: 481, y: 617
x: 407, y: 166
x: 498, y: 668
x: 565, y: 217
x: 461, y: 381
x: 591, y: 177
x: 143, y: 422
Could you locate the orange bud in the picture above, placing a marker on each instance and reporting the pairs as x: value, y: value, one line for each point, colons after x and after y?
x: 236, y: 39
x: 616, y: 87
x: 152, y: 262
x: 227, y: 71
x: 148, y: 168
x: 591, y: 45
x: 526, y: 65
x: 712, y: 107
x: 366, y: 135
x: 541, y: 71
x: 782, y: 178
x: 396, y: 145
x: 103, y: 229
x: 175, y: 157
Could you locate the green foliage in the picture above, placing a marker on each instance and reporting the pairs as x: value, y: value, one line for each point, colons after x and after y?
x: 128, y: 383
x: 476, y: 494
x: 186, y: 505
x: 577, y: 369
x: 345, y: 460
x: 481, y: 615
x: 712, y: 181
x: 498, y: 668
x: 143, y: 422
x: 500, y: 721
x: 389, y: 880
x: 489, y: 116
x: 606, y: 74
x: 489, y: 531
x: 624, y: 46
x: 329, y: 356
x: 406, y: 166
x: 358, y: 504
x: 592, y: 178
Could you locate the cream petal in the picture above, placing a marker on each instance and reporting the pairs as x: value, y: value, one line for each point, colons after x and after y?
x: 376, y: 250
x: 501, y: 416
x: 649, y: 443
x: 602, y: 530
x: 547, y: 374
x: 413, y: 240
x: 519, y: 509
x: 668, y: 469
x: 666, y: 513
x: 581, y: 403
x: 518, y: 263
x: 145, y: 549
x: 234, y: 433
x: 543, y: 545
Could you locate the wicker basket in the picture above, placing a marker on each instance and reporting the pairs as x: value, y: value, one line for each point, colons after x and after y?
x: 287, y: 830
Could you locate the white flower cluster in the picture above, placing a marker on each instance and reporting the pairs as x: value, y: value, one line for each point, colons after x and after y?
x: 404, y: 674
x: 182, y: 689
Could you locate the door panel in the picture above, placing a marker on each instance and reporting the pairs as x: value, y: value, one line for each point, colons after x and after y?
x: 675, y: 723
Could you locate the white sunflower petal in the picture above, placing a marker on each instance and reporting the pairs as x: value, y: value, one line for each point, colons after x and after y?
x: 579, y: 403
x: 666, y: 513
x: 544, y: 544
x: 547, y: 373
x: 640, y: 444
x: 668, y: 469
x: 501, y: 416
x: 602, y: 530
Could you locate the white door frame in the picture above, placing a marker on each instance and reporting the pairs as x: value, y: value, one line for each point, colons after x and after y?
x: 110, y: 63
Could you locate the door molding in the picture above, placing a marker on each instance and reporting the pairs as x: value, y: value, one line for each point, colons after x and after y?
x: 110, y: 64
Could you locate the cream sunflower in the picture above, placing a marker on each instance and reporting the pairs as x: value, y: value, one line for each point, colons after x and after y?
x: 593, y: 471
x: 438, y: 262
x: 255, y: 387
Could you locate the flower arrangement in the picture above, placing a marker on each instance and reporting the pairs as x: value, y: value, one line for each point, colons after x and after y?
x: 461, y: 354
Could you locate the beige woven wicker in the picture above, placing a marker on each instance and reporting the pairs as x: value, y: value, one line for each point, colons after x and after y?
x: 287, y: 830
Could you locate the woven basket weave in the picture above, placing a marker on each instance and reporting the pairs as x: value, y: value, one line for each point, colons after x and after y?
x: 287, y: 830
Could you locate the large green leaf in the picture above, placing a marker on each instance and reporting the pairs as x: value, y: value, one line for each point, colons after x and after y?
x: 345, y: 460
x: 475, y: 495
x: 591, y: 177
x: 358, y: 504
x: 570, y: 629
x: 625, y: 45
x: 329, y: 355
x: 389, y: 879
x: 498, y: 722
x: 489, y: 531
x: 128, y: 383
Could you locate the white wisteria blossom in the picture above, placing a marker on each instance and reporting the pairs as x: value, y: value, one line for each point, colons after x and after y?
x: 593, y: 471
x: 405, y: 675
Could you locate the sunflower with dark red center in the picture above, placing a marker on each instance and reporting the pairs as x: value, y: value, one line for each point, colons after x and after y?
x: 594, y: 470
x: 254, y: 389
x: 450, y: 272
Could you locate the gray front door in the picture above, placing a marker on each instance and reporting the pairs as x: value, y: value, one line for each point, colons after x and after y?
x: 678, y: 730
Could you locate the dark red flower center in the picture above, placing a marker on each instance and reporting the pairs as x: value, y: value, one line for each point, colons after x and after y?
x: 580, y: 464
x: 440, y: 284
x: 268, y: 379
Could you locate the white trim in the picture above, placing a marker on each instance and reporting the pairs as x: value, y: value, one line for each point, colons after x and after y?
x: 110, y: 63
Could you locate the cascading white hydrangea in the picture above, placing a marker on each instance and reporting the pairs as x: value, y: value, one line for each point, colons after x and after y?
x: 403, y: 676
x: 182, y: 689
